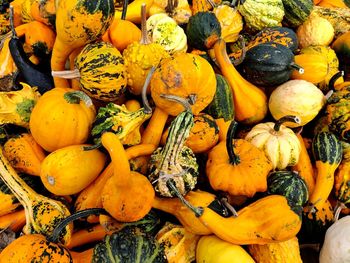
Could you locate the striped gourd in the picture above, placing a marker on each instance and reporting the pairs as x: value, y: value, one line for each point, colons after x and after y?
x: 290, y: 185
x: 297, y: 11
x: 175, y: 162
x: 338, y: 113
x: 259, y: 14
x: 342, y: 177
x: 222, y: 104
x: 102, y: 71
x: 327, y: 152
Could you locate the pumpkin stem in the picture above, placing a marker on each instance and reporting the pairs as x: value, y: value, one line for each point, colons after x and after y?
x: 144, y: 36
x: 146, y: 106
x: 234, y: 158
x: 198, y: 211
x: 238, y: 61
x: 213, y: 5
x: 334, y: 79
x: 171, y: 5
x: 12, y: 26
x: 178, y: 99
x: 61, y: 225
x: 74, y: 97
x: 297, y: 67
x: 66, y: 74
x: 229, y: 206
x: 284, y: 119
x: 125, y: 8
x: 340, y: 206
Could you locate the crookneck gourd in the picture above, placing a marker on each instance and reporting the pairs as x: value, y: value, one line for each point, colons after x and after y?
x: 175, y: 163
x: 42, y: 213
x: 101, y: 71
x: 279, y: 143
x: 141, y: 56
x: 237, y: 166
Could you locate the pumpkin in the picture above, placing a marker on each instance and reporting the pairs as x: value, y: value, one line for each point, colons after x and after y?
x: 250, y: 102
x: 277, y: 34
x: 327, y: 152
x: 296, y: 11
x: 179, y: 244
x: 237, y: 167
x: 279, y: 143
x: 140, y: 56
x: 296, y: 97
x: 334, y: 248
x: 180, y: 10
x: 261, y: 14
x: 164, y: 30
x: 78, y: 23
x: 338, y: 112
x: 24, y: 154
x: 341, y: 177
x: 42, y: 213
x: 123, y: 184
x: 203, y: 30
x: 212, y: 249
x: 68, y: 118
x: 290, y: 185
x: 286, y: 251
x: 315, y: 68
x: 61, y: 175
x: 269, y: 64
x: 185, y: 75
x: 16, y: 106
x: 231, y: 22
x: 315, y: 31
x: 174, y: 164
x: 222, y: 104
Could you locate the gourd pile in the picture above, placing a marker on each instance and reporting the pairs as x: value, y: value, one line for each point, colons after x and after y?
x: 174, y: 131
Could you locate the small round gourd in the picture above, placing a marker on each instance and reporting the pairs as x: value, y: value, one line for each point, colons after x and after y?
x: 62, y: 117
x: 279, y: 143
x: 290, y: 185
x: 298, y: 98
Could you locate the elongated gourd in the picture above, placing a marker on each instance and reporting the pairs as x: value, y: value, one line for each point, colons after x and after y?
x: 250, y: 102
x: 78, y: 22
x: 327, y: 152
x: 14, y: 221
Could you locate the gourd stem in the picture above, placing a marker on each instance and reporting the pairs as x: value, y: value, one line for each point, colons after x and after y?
x: 12, y: 26
x: 92, y: 147
x: 66, y: 74
x: 83, y: 213
x: 234, y: 158
x: 125, y: 9
x: 198, y: 211
x: 340, y: 206
x: 334, y: 78
x: 146, y: 106
x: 229, y: 206
x: 74, y: 97
x: 144, y: 36
x: 171, y: 4
x: 178, y: 99
x: 297, y: 67
x: 213, y: 5
x: 238, y: 61
x: 284, y: 119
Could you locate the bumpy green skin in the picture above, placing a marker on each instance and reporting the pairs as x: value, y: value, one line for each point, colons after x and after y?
x: 102, y: 71
x: 327, y: 148
x: 290, y: 185
x: 296, y: 11
x: 128, y: 245
x: 259, y: 14
x: 338, y: 114
x: 222, y: 104
x: 174, y: 161
x: 202, y: 30
x: 267, y: 64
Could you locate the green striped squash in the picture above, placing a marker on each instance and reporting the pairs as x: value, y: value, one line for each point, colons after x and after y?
x: 175, y: 161
x: 327, y: 148
x: 222, y: 104
x: 102, y: 71
x: 290, y: 185
x: 296, y: 11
